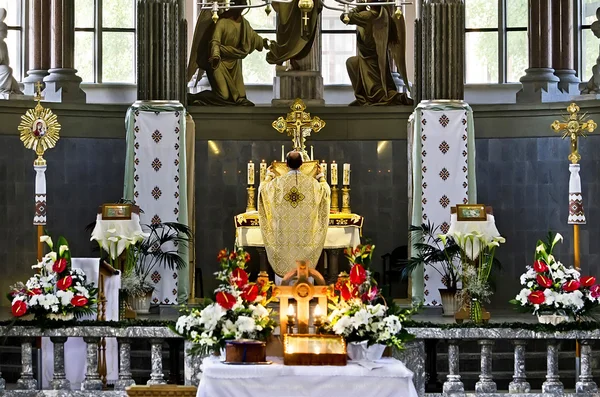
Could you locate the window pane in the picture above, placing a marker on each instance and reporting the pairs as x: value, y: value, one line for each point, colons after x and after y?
x: 516, y: 13
x: 118, y: 57
x: 337, y: 48
x: 255, y: 68
x: 517, y: 56
x: 482, y: 57
x: 84, y: 56
x: 84, y: 13
x: 481, y: 14
x: 13, y: 12
x: 13, y: 42
x: 589, y: 51
x: 118, y: 13
x: 259, y: 20
x: 331, y: 21
x: 589, y: 11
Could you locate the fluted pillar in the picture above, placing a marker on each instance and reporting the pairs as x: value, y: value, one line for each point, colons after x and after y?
x: 539, y: 83
x: 39, y: 43
x: 563, y: 57
x: 303, y: 81
x: 62, y: 83
x: 440, y: 53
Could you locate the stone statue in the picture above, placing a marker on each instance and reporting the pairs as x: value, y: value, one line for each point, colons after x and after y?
x: 593, y: 86
x: 379, y: 35
x: 219, y: 48
x: 295, y: 33
x: 8, y: 84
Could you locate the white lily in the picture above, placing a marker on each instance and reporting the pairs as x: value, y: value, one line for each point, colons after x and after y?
x: 62, y: 249
x: 443, y: 238
x: 47, y: 240
x: 540, y: 248
x: 111, y: 231
x: 492, y: 244
x: 499, y: 239
x: 557, y: 238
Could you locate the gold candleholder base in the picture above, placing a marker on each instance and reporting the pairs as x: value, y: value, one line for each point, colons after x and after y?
x: 346, y: 200
x: 250, y: 206
x: 335, y: 199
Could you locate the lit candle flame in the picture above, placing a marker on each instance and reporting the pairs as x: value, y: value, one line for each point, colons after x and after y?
x: 318, y: 312
x: 290, y: 310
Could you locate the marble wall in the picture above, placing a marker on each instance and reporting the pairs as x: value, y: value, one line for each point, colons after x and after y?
x: 524, y: 179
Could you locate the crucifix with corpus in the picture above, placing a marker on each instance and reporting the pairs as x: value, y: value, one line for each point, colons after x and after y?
x: 298, y: 124
x: 303, y: 291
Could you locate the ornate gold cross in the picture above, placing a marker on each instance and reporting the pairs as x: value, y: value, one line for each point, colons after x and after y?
x: 574, y: 126
x: 298, y: 124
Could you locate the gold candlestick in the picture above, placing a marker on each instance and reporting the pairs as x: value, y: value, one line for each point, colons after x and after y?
x: 334, y: 199
x: 251, y: 199
x: 346, y: 200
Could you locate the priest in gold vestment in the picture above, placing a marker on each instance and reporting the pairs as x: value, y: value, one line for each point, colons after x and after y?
x: 294, y: 216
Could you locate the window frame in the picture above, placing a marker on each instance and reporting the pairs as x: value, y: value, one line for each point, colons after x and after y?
x: 22, y: 29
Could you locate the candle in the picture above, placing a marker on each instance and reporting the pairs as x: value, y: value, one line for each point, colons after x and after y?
x: 324, y: 169
x: 282, y: 153
x: 290, y: 311
x: 312, y: 154
x: 334, y: 173
x: 263, y: 170
x: 346, y: 177
x: 250, y: 173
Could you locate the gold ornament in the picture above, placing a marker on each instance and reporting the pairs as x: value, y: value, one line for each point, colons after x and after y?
x: 39, y: 128
x: 574, y: 126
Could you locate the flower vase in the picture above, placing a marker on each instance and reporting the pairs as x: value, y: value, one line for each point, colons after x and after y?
x: 449, y: 304
x: 60, y: 317
x: 552, y: 318
x: 141, y: 304
x: 361, y: 351
x: 475, y: 311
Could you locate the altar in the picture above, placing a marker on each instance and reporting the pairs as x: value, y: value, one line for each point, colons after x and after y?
x: 390, y: 378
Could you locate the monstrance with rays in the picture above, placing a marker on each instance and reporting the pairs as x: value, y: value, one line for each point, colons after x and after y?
x: 39, y: 130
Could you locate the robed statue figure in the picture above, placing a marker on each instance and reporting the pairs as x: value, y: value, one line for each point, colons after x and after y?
x: 379, y: 35
x: 293, y: 210
x: 219, y: 48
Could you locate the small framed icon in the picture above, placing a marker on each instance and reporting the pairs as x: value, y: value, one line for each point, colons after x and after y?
x: 116, y: 211
x: 471, y: 212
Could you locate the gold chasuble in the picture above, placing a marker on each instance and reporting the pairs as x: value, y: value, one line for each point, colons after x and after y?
x: 293, y: 213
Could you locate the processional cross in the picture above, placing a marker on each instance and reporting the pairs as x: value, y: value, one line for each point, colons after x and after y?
x: 573, y: 127
x: 298, y: 124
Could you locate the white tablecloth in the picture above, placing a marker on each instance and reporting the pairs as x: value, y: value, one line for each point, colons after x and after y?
x: 75, y: 348
x: 278, y: 380
x: 337, y: 237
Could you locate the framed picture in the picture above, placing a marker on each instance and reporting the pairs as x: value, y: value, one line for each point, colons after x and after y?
x: 471, y: 212
x: 116, y: 211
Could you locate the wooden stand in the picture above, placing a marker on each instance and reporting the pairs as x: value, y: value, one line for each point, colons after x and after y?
x: 465, y: 314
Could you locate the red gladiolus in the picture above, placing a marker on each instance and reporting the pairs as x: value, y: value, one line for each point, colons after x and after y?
x: 35, y: 291
x: 595, y: 291
x: 571, y: 286
x: 239, y: 277
x: 222, y: 255
x: 540, y: 266
x: 250, y: 293
x: 79, y: 300
x: 587, y: 281
x: 19, y: 308
x: 536, y: 297
x: 225, y: 299
x: 544, y: 281
x: 358, y: 275
x: 345, y: 292
x: 64, y: 283
x: 60, y: 265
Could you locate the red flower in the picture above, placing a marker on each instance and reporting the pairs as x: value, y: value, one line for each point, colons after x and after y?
x: 35, y: 291
x: 595, y: 291
x: 587, y: 281
x: 239, y: 277
x: 540, y: 266
x: 222, y: 255
x: 19, y: 308
x: 370, y: 295
x: 358, y: 275
x: 247, y: 257
x: 250, y: 292
x: 544, y: 281
x: 572, y: 285
x: 64, y: 283
x: 60, y: 265
x: 232, y: 256
x: 79, y: 300
x: 345, y: 292
x: 225, y: 299
x: 536, y: 297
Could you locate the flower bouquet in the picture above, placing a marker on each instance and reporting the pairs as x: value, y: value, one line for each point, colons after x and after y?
x: 57, y: 292
x: 239, y: 311
x: 359, y: 313
x: 554, y: 292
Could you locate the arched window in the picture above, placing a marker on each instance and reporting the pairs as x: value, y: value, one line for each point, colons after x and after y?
x: 255, y: 67
x: 338, y: 43
x: 15, y: 21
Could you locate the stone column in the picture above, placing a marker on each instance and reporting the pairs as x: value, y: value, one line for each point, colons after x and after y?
x: 27, y: 382
x: 486, y: 384
x: 63, y: 84
x: 453, y: 383
x: 552, y: 385
x: 519, y: 383
x: 92, y: 378
x: 563, y: 58
x: 586, y: 382
x: 539, y: 83
x: 156, y: 377
x: 125, y: 379
x: 59, y: 380
x: 39, y: 44
x: 305, y: 81
x: 440, y: 53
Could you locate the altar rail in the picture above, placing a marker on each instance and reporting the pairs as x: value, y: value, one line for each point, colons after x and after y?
x: 413, y: 356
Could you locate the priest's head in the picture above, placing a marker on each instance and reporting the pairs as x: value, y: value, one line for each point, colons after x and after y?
x: 294, y: 160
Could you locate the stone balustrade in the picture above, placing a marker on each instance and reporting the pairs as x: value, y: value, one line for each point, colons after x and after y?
x: 414, y: 356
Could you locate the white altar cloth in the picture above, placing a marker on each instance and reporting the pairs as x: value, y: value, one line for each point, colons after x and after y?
x: 277, y: 380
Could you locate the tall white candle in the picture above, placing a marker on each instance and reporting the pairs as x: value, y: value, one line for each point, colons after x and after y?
x: 250, y: 173
x: 324, y: 169
x: 334, y: 173
x: 282, y: 153
x: 346, y: 176
x: 312, y: 154
x: 263, y: 170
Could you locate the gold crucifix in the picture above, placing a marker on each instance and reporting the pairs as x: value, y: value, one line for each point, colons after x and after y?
x: 574, y: 126
x: 298, y: 124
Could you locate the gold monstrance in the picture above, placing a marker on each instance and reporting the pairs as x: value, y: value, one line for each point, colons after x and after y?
x: 39, y: 130
x: 298, y: 124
